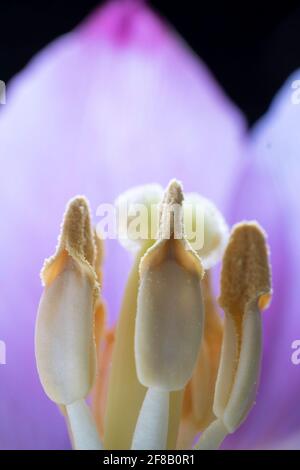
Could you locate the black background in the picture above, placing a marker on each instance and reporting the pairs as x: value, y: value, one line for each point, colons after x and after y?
x: 251, y: 47
x: 95, y: 459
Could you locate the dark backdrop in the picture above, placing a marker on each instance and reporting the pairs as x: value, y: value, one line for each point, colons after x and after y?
x: 250, y: 47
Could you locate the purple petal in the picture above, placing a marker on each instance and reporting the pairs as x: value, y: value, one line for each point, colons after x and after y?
x: 119, y: 102
x: 268, y: 191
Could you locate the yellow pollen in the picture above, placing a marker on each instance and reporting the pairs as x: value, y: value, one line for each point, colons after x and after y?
x: 245, y: 270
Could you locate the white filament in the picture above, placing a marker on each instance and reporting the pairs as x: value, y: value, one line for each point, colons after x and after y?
x: 227, y: 367
x: 213, y: 436
x: 152, y: 425
x: 82, y: 427
x: 235, y: 397
x: 244, y: 388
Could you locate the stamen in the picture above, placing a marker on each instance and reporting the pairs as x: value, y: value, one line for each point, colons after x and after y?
x: 169, y: 308
x: 169, y: 305
x: 64, y: 338
x: 125, y: 392
x: 245, y: 284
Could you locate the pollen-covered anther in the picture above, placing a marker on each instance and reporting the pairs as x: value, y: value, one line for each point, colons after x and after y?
x: 171, y: 213
x: 245, y: 290
x: 245, y: 270
x: 64, y: 336
x: 170, y: 313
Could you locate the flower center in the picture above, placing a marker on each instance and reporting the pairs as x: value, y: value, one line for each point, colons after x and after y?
x: 172, y: 367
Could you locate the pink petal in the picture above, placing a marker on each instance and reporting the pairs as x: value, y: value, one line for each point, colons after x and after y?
x: 119, y: 102
x: 268, y: 191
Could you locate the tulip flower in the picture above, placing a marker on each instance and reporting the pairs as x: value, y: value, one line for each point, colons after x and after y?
x: 119, y: 102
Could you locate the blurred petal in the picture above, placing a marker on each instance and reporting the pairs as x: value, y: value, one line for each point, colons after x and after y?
x: 119, y: 102
x: 268, y: 191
